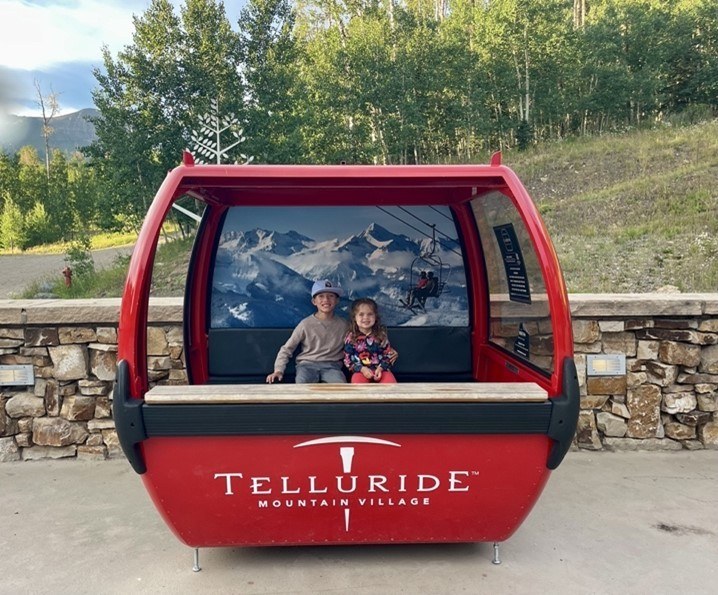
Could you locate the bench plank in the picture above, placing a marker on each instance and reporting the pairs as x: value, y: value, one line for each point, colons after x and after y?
x: 502, y: 392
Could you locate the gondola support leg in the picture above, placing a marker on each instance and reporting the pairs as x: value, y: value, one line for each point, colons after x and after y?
x: 196, y: 567
x: 496, y: 559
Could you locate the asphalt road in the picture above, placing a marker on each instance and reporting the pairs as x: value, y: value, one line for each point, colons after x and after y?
x: 631, y: 523
x: 17, y: 271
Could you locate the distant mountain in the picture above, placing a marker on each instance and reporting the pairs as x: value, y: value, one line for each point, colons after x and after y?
x: 262, y: 278
x: 70, y: 132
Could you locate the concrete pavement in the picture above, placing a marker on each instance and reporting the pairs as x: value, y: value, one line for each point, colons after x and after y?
x: 607, y: 523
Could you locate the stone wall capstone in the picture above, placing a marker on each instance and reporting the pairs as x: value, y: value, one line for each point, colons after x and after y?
x: 667, y: 400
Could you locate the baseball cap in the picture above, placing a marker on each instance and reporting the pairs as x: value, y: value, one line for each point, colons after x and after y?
x: 324, y: 285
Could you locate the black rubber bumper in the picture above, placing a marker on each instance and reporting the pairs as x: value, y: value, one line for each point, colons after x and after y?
x: 136, y: 421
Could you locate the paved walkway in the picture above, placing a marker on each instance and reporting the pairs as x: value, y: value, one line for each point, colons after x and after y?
x: 18, y: 271
x: 606, y: 523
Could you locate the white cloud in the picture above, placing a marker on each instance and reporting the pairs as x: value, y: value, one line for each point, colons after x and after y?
x: 36, y: 34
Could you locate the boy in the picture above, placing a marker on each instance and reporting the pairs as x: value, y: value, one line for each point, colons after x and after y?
x: 321, y: 336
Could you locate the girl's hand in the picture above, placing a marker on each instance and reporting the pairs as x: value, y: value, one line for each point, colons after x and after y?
x: 377, y: 374
x: 393, y: 356
x: 367, y: 373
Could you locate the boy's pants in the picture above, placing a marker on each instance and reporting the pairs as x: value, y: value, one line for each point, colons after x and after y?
x: 313, y: 372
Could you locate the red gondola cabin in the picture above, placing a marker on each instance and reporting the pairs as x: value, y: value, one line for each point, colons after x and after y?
x: 458, y: 451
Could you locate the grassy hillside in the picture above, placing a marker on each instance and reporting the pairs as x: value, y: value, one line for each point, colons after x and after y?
x: 627, y: 213
x: 632, y: 212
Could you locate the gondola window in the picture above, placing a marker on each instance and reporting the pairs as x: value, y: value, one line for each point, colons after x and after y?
x: 520, y: 319
x: 268, y: 257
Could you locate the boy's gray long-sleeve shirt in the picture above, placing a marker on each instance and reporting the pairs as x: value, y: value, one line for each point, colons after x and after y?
x: 321, y: 341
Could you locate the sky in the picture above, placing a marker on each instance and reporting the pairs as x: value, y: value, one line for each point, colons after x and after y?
x: 58, y: 43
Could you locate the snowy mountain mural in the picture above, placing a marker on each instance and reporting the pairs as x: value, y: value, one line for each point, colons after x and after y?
x: 262, y: 277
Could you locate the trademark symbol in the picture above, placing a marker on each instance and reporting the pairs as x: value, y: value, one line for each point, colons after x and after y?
x: 475, y: 473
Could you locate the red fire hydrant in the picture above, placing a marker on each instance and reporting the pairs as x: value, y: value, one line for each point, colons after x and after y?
x: 67, y: 273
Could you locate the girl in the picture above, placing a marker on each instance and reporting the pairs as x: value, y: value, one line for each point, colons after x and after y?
x: 366, y: 347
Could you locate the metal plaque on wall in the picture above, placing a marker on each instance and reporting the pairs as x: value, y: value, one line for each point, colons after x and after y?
x: 16, y: 375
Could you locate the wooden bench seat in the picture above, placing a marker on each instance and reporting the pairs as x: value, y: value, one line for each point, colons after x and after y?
x: 435, y: 392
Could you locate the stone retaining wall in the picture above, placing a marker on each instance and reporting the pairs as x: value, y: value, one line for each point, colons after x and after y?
x: 667, y: 400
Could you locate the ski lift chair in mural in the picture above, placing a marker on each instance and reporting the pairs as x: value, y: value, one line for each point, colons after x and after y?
x: 429, y: 266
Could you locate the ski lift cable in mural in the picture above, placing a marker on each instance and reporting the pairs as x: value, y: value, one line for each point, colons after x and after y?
x: 428, y: 274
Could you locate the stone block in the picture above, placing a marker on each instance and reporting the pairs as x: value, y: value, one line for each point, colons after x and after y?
x: 708, y: 435
x: 680, y: 354
x: 93, y: 388
x: 693, y: 445
x: 586, y: 431
x: 175, y: 336
x: 12, y: 333
x: 176, y: 352
x: 679, y: 402
x: 25, y: 405
x: 644, y: 406
x: 8, y: 450
x: 157, y: 341
x: 585, y: 331
x: 619, y: 343
x: 620, y: 409
x: 178, y: 376
x: 94, y: 440
x: 24, y: 440
x: 661, y: 374
x: 70, y: 361
x: 709, y: 360
x: 96, y: 425
x: 37, y: 453
x: 111, y: 440
x: 106, y: 334
x: 53, y: 399
x: 10, y: 343
x: 639, y: 323
x: 606, y: 385
x: 102, y: 347
x: 24, y: 424
x: 103, y: 364
x: 92, y: 453
x: 76, y: 334
x: 78, y: 408
x: 676, y: 323
x: 705, y: 388
x: 678, y: 431
x: 707, y: 402
x: 647, y: 350
x: 629, y: 444
x: 40, y: 387
x: 611, y: 425
x: 159, y: 363
x: 103, y: 407
x: 634, y: 379
x: 694, y: 418
x: 35, y: 337
x: 67, y: 389
x: 8, y: 425
x: 56, y: 431
x: 593, y: 401
x: 708, y: 326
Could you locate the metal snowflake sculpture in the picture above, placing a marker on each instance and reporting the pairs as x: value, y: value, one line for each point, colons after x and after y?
x: 207, y: 143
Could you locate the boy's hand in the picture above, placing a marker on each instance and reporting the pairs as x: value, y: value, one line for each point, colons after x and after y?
x: 393, y: 356
x: 367, y: 373
x: 377, y: 374
x: 275, y: 376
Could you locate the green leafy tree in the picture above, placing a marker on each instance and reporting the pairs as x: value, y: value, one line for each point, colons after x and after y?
x: 151, y: 95
x: 269, y: 55
x: 32, y: 182
x: 37, y: 227
x: 12, y: 228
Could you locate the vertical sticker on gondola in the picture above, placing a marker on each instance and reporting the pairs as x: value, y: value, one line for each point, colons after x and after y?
x: 516, y: 278
x: 522, y: 343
